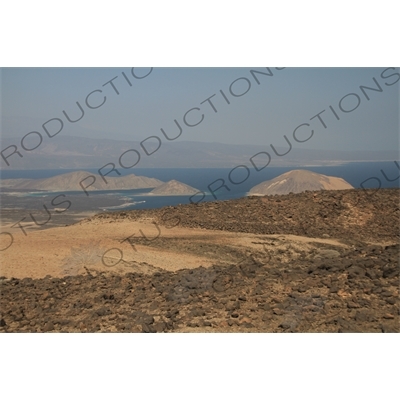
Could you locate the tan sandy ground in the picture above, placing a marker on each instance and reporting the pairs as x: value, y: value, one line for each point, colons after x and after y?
x: 9, y: 219
x: 101, y: 246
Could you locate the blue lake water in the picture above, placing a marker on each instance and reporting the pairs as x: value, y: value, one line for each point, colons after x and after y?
x: 369, y: 174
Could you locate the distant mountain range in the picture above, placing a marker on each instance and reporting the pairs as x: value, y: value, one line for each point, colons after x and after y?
x: 69, y: 152
x: 298, y: 181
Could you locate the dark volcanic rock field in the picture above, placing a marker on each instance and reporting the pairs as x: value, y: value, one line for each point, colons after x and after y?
x: 353, y: 215
x: 353, y: 289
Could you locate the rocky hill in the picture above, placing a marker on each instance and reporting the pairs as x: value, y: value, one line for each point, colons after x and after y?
x: 356, y: 216
x: 298, y: 181
x: 174, y: 188
x: 71, y: 182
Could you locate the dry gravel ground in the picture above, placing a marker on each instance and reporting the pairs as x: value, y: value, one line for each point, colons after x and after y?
x: 311, y: 262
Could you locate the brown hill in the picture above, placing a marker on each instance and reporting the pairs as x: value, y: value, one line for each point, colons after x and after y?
x: 71, y: 182
x: 174, y: 188
x: 298, y: 181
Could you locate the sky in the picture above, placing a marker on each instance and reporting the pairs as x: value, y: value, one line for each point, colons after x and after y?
x: 257, y: 113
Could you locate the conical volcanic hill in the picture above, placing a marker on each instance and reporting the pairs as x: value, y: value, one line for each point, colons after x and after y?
x: 298, y: 181
x: 174, y: 188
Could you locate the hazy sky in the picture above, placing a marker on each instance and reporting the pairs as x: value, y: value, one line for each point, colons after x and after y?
x: 269, y: 110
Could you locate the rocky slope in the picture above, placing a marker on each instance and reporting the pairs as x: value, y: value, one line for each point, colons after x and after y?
x: 298, y: 181
x: 356, y: 216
